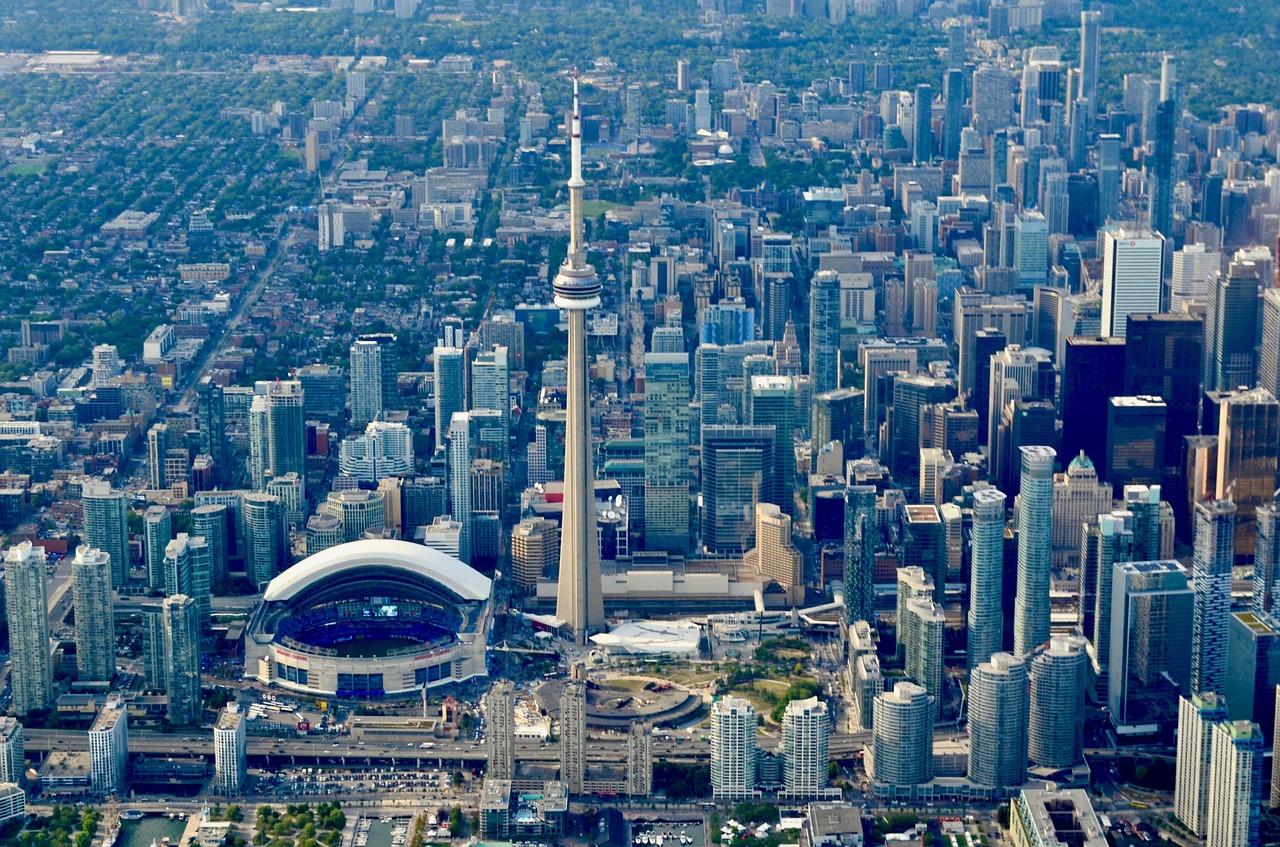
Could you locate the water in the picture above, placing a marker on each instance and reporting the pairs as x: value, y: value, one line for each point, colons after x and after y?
x: 155, y: 828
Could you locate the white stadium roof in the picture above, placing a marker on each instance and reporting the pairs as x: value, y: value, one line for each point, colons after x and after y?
x: 415, y: 559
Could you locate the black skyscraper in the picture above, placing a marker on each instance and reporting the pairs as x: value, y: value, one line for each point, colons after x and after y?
x: 1092, y: 373
x: 1162, y: 358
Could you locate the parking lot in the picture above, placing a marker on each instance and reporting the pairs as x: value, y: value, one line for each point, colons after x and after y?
x: 319, y: 782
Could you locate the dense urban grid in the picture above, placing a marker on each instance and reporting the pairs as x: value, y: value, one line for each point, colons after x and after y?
x: 817, y: 423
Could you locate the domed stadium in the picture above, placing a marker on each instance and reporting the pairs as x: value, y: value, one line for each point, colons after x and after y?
x: 370, y: 619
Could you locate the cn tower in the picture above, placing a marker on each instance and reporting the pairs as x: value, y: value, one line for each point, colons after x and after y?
x: 579, y: 601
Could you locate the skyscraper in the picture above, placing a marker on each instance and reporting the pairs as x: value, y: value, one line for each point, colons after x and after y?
x: 774, y: 557
x: 733, y: 749
x: 187, y: 568
x: 1230, y: 328
x: 1248, y: 445
x: 157, y: 533
x: 109, y: 749
x: 1035, y: 549
x: 824, y: 331
x: 737, y: 473
x: 1193, y: 267
x: 1092, y: 372
x: 1213, y: 540
x: 1266, y: 559
x: 1131, y: 277
x: 500, y: 737
x: 639, y: 760
x: 953, y: 119
x: 998, y: 709
x: 286, y: 431
x: 1253, y: 669
x: 211, y: 420
x: 806, y: 738
x: 1162, y: 358
x: 181, y: 625
x: 771, y: 401
x: 366, y: 382
x: 573, y: 736
x: 666, y: 452
x: 1150, y: 603
x: 12, y: 751
x: 490, y: 389
x: 922, y: 133
x: 95, y: 615
x: 459, y: 441
x: 450, y: 388
x: 209, y: 521
x: 902, y: 736
x: 1055, y: 727
x: 579, y: 601
x: 27, y: 612
x: 1160, y: 207
x: 106, y: 525
x: 264, y: 542
x: 229, y: 760
x: 924, y: 629
x: 860, y: 542
x: 1235, y: 785
x: 986, y: 576
x: 1197, y: 715
x: 1090, y: 61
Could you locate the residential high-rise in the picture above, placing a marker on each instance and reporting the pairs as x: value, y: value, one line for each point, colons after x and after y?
x: 860, y: 541
x: 771, y: 401
x: 573, y: 736
x: 913, y: 584
x: 385, y: 449
x: 95, y: 615
x: 286, y: 429
x: 1213, y: 542
x: 324, y: 392
x: 774, y: 557
x: 1055, y: 726
x: 986, y: 576
x: 491, y: 389
x: 12, y: 751
x: 1248, y: 445
x: 924, y: 543
x: 359, y: 511
x: 1235, y: 785
x: 181, y: 625
x: 737, y: 473
x: 187, y: 571
x: 923, y: 629
x: 211, y: 420
x: 579, y: 601
x: 1035, y: 548
x: 806, y: 738
x: 1231, y: 328
x: 1197, y: 715
x: 998, y: 710
x: 157, y: 533
x: 868, y: 683
x: 106, y: 525
x: 1131, y: 277
x: 1275, y: 747
x: 500, y: 736
x: 824, y: 331
x: 733, y: 749
x: 27, y: 612
x: 460, y: 454
x: 1150, y: 603
x: 666, y: 452
x: 229, y: 761
x: 450, y: 388
x: 1266, y: 559
x: 902, y: 736
x: 264, y: 541
x: 209, y: 521
x: 109, y: 749
x: 639, y: 760
x: 366, y: 382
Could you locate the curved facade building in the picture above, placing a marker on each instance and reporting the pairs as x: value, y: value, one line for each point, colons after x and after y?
x: 998, y: 722
x: 1035, y: 550
x: 986, y: 576
x: 369, y: 619
x: 902, y: 736
x: 1055, y: 730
